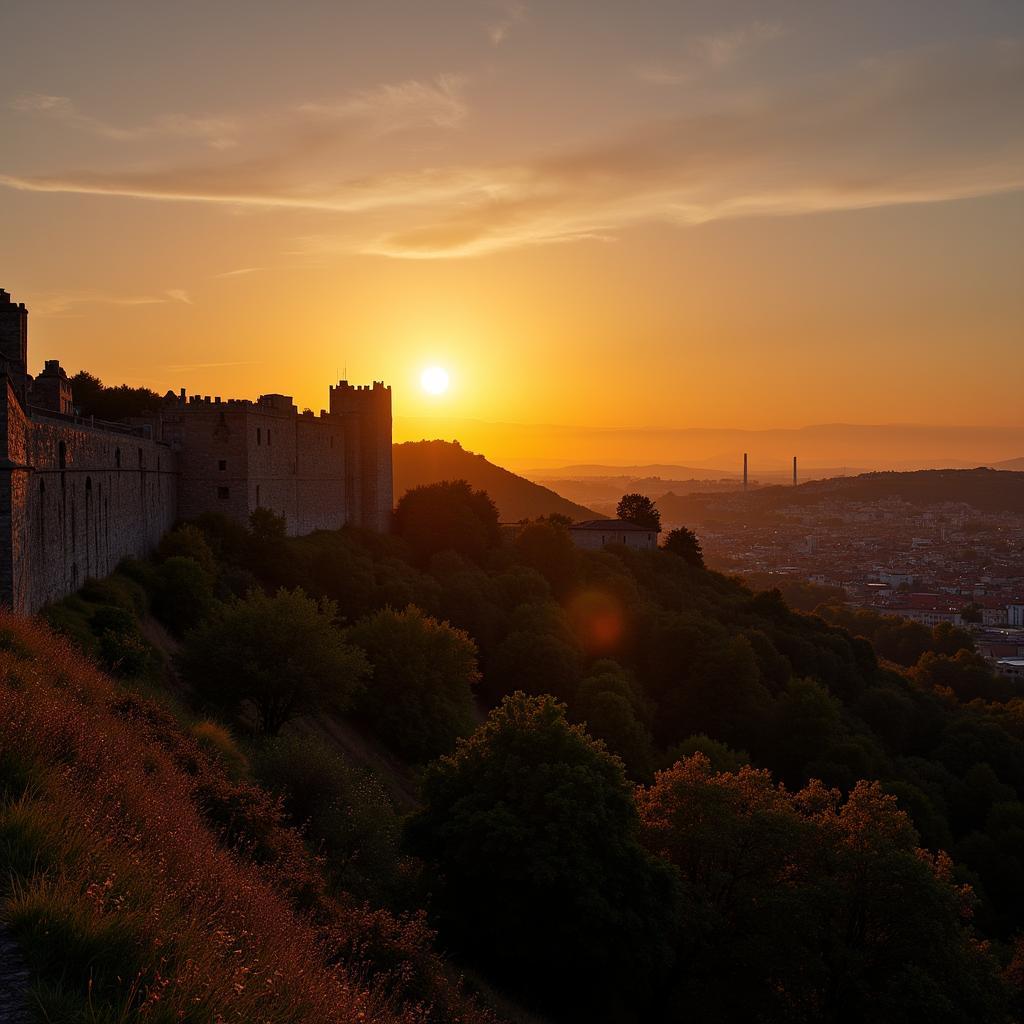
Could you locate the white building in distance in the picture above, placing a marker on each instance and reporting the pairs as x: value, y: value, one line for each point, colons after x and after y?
x: 594, y: 534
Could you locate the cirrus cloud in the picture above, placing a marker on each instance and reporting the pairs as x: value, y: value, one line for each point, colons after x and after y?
x: 913, y: 126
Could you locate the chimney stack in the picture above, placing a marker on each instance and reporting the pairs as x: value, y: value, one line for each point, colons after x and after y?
x: 794, y: 471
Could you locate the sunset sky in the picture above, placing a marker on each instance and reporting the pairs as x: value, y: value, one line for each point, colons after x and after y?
x: 632, y: 215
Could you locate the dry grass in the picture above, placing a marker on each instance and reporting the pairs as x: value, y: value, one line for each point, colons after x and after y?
x: 141, y: 881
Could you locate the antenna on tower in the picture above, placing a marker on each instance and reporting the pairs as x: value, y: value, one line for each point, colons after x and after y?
x: 744, y: 471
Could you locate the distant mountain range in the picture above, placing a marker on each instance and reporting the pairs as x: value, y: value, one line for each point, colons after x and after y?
x: 428, y: 462
x: 892, y: 446
x: 594, y: 470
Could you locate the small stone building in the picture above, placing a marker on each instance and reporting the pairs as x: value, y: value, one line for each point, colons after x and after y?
x: 594, y: 534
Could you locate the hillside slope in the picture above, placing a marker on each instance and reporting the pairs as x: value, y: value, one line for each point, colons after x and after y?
x: 140, y: 880
x: 428, y: 462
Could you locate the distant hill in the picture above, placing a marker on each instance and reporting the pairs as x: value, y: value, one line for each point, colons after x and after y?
x: 632, y: 472
x: 987, y: 490
x: 428, y: 462
x: 1014, y: 465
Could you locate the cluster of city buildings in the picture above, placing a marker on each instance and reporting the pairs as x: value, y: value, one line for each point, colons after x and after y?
x: 78, y: 495
x: 946, y: 562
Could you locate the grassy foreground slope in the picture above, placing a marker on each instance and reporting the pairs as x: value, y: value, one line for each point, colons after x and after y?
x: 142, y: 882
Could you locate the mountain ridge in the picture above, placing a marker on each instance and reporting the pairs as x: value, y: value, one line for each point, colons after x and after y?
x: 426, y: 462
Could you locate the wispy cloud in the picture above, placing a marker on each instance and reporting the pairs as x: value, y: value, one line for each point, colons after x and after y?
x: 65, y: 303
x: 509, y: 15
x: 385, y: 109
x: 399, y: 106
x: 713, y: 51
x: 216, y: 132
x: 241, y: 271
x: 179, y: 295
x: 926, y: 126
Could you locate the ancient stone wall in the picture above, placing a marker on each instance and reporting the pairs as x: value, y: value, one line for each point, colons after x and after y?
x: 320, y: 473
x: 76, y: 498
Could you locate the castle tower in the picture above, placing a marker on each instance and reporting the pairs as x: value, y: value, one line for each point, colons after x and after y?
x: 366, y: 419
x: 13, y: 338
x: 51, y: 389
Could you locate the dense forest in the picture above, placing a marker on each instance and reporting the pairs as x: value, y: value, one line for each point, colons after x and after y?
x: 604, y: 785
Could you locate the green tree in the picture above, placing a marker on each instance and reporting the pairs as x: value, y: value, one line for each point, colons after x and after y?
x: 611, y: 708
x: 639, y: 509
x: 281, y: 655
x: 684, y: 543
x: 420, y: 699
x: 530, y: 832
x: 966, y: 675
x: 188, y: 541
x: 803, y: 907
x: 116, y: 403
x: 549, y: 549
x: 182, y: 594
x: 448, y: 516
x: 535, y: 661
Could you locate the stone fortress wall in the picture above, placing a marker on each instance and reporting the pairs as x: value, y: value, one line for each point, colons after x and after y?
x: 78, y: 495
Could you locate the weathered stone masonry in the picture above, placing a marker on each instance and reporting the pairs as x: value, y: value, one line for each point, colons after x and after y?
x: 77, y: 496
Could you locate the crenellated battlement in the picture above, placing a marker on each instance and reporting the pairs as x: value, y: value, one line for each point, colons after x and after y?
x: 77, y: 496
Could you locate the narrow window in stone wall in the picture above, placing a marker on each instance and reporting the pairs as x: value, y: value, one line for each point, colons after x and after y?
x: 117, y: 457
x: 223, y: 493
x: 62, y: 455
x: 222, y: 465
x: 141, y: 459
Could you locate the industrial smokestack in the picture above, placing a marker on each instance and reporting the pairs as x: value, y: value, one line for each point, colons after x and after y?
x: 794, y: 471
x: 744, y: 471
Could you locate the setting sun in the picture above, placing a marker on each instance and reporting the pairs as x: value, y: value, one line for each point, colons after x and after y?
x: 434, y: 380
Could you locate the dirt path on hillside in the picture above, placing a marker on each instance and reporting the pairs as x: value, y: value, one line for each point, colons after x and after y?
x: 13, y: 982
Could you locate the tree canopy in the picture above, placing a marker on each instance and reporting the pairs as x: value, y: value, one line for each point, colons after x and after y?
x: 532, y: 835
x: 420, y: 698
x: 684, y: 543
x: 114, y: 403
x: 448, y: 516
x: 281, y: 655
x: 639, y: 509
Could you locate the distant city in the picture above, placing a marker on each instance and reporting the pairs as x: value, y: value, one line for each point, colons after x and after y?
x: 924, y: 559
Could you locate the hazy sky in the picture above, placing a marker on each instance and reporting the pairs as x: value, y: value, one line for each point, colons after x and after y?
x: 628, y: 214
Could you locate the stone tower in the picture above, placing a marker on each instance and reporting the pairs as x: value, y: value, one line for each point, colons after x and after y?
x: 366, y: 417
x: 13, y: 338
